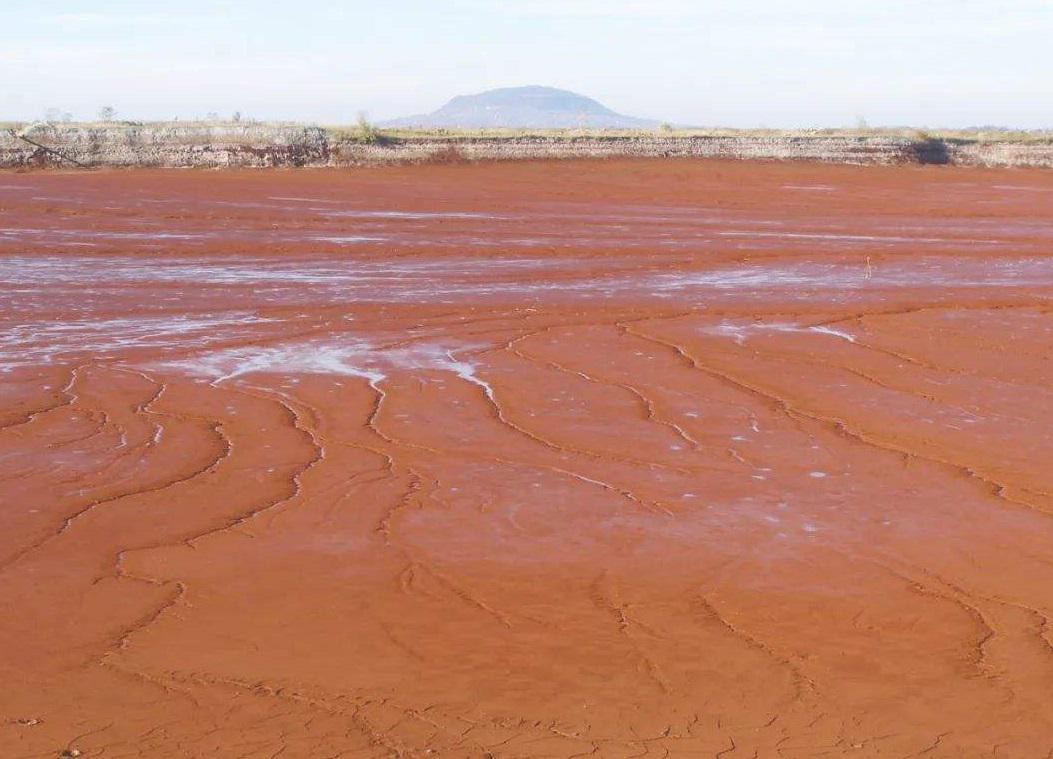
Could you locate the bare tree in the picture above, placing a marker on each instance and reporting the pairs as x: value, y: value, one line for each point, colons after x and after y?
x: 107, y: 113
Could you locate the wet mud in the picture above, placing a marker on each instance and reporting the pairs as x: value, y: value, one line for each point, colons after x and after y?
x: 614, y: 459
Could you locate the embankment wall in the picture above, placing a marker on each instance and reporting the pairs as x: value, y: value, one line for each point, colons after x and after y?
x: 261, y: 146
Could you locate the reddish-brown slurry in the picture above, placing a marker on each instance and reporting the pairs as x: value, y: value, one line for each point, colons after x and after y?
x: 624, y: 459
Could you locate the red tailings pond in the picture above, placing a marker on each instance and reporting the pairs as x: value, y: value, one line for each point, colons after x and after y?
x: 613, y: 459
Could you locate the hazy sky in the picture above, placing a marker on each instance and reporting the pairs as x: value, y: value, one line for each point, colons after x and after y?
x: 706, y: 62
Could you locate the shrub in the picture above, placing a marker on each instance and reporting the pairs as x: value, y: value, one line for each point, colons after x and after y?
x: 365, y: 131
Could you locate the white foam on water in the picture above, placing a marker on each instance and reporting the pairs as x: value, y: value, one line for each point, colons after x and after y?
x: 349, y: 357
x: 741, y: 332
x: 738, y: 332
x: 789, y: 276
x: 831, y: 331
x: 347, y: 238
x: 44, y: 342
x: 466, y: 371
x: 378, y: 214
x: 304, y: 200
x: 1021, y: 188
x: 372, y: 279
x: 842, y: 237
x: 307, y: 358
x: 107, y: 234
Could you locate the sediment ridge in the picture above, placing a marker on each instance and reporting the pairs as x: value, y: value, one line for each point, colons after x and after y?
x: 279, y: 145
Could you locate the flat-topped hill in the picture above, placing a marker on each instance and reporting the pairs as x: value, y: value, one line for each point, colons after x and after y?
x: 530, y: 107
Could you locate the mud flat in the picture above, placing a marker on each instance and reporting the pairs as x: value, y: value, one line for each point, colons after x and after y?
x: 193, y: 145
x: 615, y: 458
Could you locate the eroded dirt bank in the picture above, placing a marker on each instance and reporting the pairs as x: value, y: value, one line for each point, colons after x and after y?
x: 619, y: 459
x: 191, y: 145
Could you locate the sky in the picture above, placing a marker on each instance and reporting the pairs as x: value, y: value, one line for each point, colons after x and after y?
x: 775, y: 63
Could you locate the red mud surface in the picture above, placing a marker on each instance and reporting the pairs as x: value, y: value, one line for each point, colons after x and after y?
x: 621, y: 459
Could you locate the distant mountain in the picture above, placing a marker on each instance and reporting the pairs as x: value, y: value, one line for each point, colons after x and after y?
x: 523, y: 108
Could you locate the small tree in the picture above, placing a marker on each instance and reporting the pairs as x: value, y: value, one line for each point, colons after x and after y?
x: 236, y: 118
x: 366, y: 131
x: 107, y: 113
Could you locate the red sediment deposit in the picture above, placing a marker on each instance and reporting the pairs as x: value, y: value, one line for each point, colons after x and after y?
x: 622, y: 459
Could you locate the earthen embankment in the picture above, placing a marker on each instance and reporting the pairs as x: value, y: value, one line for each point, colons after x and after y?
x: 174, y: 145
